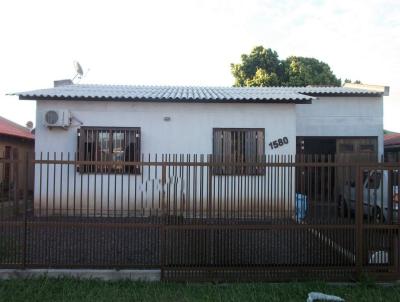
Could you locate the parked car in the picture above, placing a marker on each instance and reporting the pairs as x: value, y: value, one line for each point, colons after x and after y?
x: 376, y: 199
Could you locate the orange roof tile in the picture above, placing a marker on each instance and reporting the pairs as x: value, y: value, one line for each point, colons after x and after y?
x: 10, y: 128
x: 392, y: 139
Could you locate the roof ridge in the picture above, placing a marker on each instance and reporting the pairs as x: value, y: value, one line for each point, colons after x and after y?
x: 300, y: 89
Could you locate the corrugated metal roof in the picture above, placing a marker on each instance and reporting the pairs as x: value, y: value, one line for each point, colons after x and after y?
x: 315, y: 90
x: 10, y: 128
x: 167, y: 93
x: 192, y: 93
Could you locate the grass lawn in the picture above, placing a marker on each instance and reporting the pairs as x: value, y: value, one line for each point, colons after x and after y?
x: 92, y: 290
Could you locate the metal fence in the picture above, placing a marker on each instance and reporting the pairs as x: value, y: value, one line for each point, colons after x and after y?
x: 301, y: 217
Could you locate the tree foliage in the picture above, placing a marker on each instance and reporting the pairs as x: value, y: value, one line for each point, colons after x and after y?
x: 262, y: 67
x: 355, y: 82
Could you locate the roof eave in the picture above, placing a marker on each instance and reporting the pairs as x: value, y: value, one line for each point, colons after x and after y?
x: 169, y: 100
x: 18, y: 136
x: 350, y: 94
x: 392, y: 146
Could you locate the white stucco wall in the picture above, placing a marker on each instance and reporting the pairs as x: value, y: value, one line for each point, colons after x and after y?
x: 188, y: 132
x: 342, y: 116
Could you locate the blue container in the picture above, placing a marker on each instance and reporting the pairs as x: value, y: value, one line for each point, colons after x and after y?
x: 300, y: 207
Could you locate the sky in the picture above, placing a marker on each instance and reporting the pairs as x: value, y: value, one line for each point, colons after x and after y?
x: 191, y: 42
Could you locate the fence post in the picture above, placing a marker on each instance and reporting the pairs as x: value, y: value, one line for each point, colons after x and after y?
x: 26, y: 187
x: 209, y: 186
x: 359, y: 215
x: 163, y: 182
x: 163, y: 220
x: 389, y: 196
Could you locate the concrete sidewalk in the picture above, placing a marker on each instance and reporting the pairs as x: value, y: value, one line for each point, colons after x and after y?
x: 106, y: 275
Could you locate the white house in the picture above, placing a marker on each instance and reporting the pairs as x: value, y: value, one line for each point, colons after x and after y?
x: 119, y: 123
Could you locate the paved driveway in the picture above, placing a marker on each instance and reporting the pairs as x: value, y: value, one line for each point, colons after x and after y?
x: 112, y: 243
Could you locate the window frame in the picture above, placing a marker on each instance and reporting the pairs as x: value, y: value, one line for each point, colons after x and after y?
x: 261, y: 158
x: 106, y: 169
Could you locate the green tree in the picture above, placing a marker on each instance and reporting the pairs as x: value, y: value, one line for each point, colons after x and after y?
x: 262, y: 79
x: 355, y: 82
x: 301, y: 71
x: 262, y: 67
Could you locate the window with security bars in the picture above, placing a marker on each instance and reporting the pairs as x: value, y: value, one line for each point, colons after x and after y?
x: 116, y: 145
x: 238, y: 146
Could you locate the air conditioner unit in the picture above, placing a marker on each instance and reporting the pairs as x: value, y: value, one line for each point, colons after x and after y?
x: 57, y: 119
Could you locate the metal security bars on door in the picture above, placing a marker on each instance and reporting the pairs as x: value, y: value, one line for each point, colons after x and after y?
x: 298, y: 217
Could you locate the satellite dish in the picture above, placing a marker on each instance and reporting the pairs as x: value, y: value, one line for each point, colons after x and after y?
x: 79, y: 71
x: 78, y: 68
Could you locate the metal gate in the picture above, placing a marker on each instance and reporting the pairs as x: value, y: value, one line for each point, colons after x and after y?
x: 347, y: 233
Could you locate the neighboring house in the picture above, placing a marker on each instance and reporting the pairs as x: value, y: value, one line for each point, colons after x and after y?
x: 392, y: 147
x: 16, y: 142
x: 104, y: 122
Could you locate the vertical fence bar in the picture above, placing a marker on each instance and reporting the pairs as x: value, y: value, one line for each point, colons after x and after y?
x: 389, y: 197
x: 359, y: 221
x: 54, y: 182
x: 209, y: 186
x: 68, y: 167
x: 163, y: 182
x: 61, y: 184
x: 47, y: 184
x: 163, y: 220
x: 26, y: 185
x: 74, y: 191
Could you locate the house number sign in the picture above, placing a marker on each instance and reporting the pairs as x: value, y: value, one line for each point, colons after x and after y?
x: 279, y: 142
